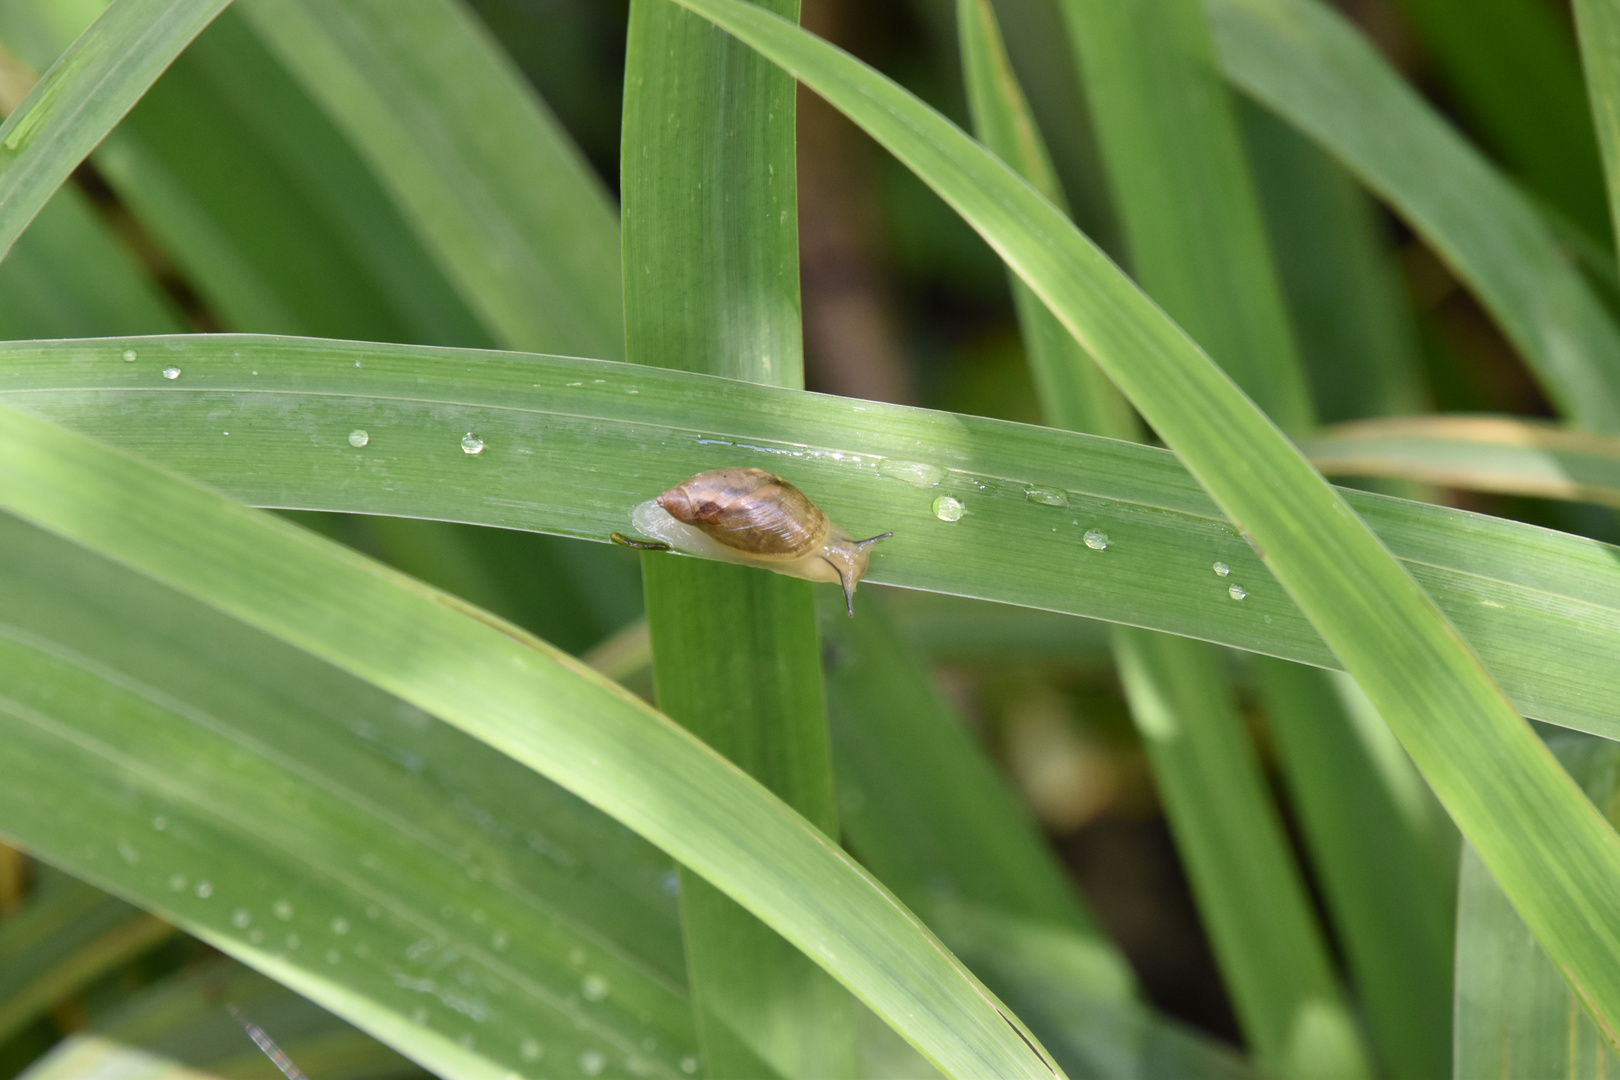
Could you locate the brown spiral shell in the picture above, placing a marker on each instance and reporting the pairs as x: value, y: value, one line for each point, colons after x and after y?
x: 749, y: 510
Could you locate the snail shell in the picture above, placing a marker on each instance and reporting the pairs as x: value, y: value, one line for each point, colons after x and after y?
x: 756, y: 518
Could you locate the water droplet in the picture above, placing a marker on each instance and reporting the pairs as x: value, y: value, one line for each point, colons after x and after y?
x: 1095, y: 539
x: 160, y: 823
x: 467, y: 1042
x: 420, y: 1016
x: 576, y: 956
x: 689, y: 1063
x: 594, y: 987
x: 256, y: 936
x: 127, y: 852
x: 204, y: 890
x: 671, y: 882
x: 498, y: 940
x: 340, y: 925
x: 591, y: 1062
x: 282, y: 909
x: 333, y: 956
x: 1236, y: 592
x: 1047, y: 496
x: 293, y: 941
x: 949, y: 509
x: 916, y: 473
x: 471, y: 444
x: 359, y: 437
x: 171, y: 373
x: 1221, y: 569
x: 241, y: 917
x: 531, y: 1050
x: 129, y: 356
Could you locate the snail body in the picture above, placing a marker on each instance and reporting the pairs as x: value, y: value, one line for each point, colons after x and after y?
x: 755, y: 518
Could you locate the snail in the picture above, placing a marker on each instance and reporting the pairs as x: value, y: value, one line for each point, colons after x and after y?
x: 755, y: 518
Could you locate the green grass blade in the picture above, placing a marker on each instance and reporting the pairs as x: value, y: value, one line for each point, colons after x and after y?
x: 67, y: 937
x: 1479, y: 453
x: 1598, y: 23
x: 1357, y: 334
x: 464, y: 147
x: 83, y: 95
x: 1303, y: 62
x: 1192, y: 224
x: 569, y: 449
x: 1386, y: 889
x: 1510, y: 68
x: 1558, y: 858
x: 1272, y: 954
x: 182, y: 1027
x: 926, y: 811
x: 712, y: 248
x: 529, y: 702
x: 279, y: 226
x: 1043, y: 971
x: 737, y: 664
x: 1515, y: 1015
x: 68, y: 276
x: 1073, y: 391
x: 375, y: 859
x: 1251, y: 897
x: 924, y: 808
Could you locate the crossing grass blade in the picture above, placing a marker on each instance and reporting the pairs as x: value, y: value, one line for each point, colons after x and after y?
x: 1302, y: 61
x: 1514, y: 1015
x: 1480, y: 453
x: 375, y: 859
x: 568, y: 449
x: 181, y: 1027
x: 1251, y: 897
x: 525, y: 699
x: 1346, y: 300
x: 711, y: 243
x: 83, y: 95
x: 1556, y: 856
x: 68, y: 276
x: 279, y: 227
x: 67, y: 937
x: 1512, y: 72
x: 1598, y: 24
x: 459, y: 140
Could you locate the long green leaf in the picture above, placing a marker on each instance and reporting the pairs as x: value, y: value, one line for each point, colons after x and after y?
x: 182, y: 1027
x: 1510, y: 69
x: 377, y: 859
x: 1515, y: 1015
x: 1346, y: 299
x: 68, y: 276
x: 465, y: 148
x: 67, y: 937
x: 1377, y: 846
x: 1175, y: 162
x: 1251, y: 898
x: 83, y: 95
x: 568, y: 449
x: 1045, y: 973
x: 711, y: 246
x: 1481, y: 453
x: 279, y: 226
x: 529, y: 702
x: 1305, y: 63
x: 1598, y: 22
x: 1557, y: 857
